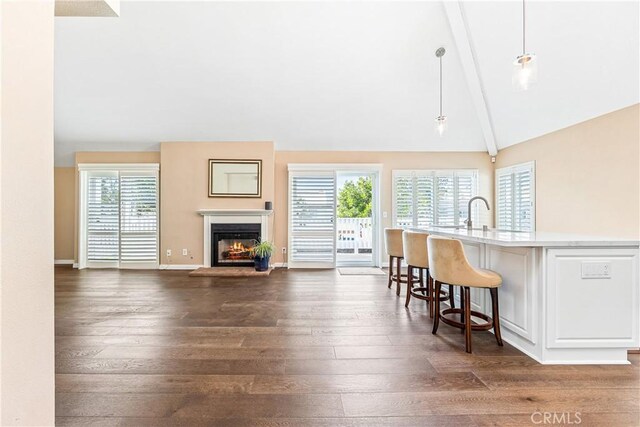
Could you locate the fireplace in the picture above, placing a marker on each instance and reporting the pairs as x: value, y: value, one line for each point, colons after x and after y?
x: 231, y: 244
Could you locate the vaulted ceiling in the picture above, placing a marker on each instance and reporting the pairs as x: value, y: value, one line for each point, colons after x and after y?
x: 336, y: 75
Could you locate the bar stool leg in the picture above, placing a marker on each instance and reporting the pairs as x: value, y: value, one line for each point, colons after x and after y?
x: 421, y: 279
x: 462, y: 306
x: 496, y: 315
x: 467, y: 318
x: 436, y: 320
x: 390, y: 270
x: 452, y: 302
x: 409, y: 284
x: 430, y: 292
x: 398, y: 274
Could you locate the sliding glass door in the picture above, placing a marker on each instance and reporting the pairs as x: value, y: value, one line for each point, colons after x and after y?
x: 356, y: 230
x: 118, y: 216
x: 333, y: 210
x: 312, y: 212
x: 103, y: 219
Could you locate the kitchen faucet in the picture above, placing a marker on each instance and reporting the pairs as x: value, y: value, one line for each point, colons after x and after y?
x: 468, y: 221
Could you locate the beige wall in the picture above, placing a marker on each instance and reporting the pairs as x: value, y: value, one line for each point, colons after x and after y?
x: 390, y: 161
x: 587, y: 175
x: 117, y: 157
x: 184, y: 176
x: 65, y: 202
x: 26, y: 214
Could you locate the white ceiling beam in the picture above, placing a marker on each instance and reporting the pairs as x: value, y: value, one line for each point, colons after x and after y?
x: 99, y: 8
x: 463, y: 42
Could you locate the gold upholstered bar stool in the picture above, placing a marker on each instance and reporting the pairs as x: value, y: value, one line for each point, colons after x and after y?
x: 414, y: 246
x: 448, y: 264
x: 393, y: 246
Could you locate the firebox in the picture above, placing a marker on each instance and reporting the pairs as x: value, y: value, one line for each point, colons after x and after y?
x: 232, y: 244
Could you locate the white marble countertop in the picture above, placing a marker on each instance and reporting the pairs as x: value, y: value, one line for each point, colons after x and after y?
x: 533, y: 239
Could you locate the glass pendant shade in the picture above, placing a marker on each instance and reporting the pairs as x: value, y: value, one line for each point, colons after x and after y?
x: 525, y: 72
x: 441, y: 125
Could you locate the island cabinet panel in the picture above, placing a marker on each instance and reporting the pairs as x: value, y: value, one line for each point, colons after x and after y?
x: 592, y: 298
x: 518, y: 293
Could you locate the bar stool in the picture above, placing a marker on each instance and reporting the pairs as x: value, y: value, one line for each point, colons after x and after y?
x: 414, y: 245
x: 393, y: 246
x: 448, y: 264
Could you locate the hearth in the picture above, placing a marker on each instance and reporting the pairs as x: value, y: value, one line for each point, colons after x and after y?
x: 231, y: 244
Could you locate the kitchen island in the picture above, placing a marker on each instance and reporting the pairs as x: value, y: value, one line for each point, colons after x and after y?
x: 565, y: 298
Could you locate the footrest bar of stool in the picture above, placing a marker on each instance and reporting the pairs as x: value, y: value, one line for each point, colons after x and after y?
x: 444, y: 295
x: 474, y: 326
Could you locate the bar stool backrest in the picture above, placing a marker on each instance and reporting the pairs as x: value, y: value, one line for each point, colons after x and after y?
x: 414, y: 245
x: 447, y: 261
x: 393, y: 242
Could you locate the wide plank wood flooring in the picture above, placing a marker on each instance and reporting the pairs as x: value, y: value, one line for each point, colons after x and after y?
x: 298, y: 348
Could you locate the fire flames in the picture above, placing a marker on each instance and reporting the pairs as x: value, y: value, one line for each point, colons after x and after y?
x: 237, y: 251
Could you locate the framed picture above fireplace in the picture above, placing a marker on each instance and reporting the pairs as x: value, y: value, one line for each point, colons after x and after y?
x: 235, y: 178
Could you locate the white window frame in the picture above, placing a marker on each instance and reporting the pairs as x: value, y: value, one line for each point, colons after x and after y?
x: 510, y: 170
x: 433, y: 172
x: 83, y: 170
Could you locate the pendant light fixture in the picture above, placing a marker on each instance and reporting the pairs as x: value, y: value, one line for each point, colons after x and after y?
x: 441, y: 120
x: 525, y: 67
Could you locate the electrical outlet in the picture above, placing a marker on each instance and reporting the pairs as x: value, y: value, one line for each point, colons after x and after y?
x: 185, y: 252
x: 284, y: 250
x: 596, y: 270
x: 168, y: 252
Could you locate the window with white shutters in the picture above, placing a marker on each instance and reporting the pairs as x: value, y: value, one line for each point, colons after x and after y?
x: 432, y: 197
x: 103, y: 222
x: 138, y: 217
x: 312, y: 203
x: 515, y: 197
x: 119, y: 216
x: 404, y: 200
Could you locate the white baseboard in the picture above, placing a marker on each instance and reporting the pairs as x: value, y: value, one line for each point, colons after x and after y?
x: 64, y: 262
x: 179, y: 266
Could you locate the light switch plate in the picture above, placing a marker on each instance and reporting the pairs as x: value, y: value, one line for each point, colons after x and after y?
x: 596, y: 270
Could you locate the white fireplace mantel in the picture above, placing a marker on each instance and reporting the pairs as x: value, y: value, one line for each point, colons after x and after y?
x: 232, y: 216
x: 228, y: 212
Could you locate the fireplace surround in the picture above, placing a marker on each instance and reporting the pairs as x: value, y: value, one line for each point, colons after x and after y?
x: 231, y: 244
x: 232, y: 216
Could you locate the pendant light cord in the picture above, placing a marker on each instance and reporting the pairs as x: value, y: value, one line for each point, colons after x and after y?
x: 523, y: 29
x: 440, y: 86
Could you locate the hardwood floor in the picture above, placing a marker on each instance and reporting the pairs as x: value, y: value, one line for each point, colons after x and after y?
x: 299, y: 348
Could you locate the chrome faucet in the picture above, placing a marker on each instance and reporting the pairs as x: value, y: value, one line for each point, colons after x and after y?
x: 468, y: 221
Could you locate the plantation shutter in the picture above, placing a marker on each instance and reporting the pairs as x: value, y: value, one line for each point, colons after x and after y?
x: 312, y: 204
x: 523, y: 202
x: 423, y: 198
x: 445, y: 199
x: 103, y: 218
x: 403, y: 200
x: 466, y: 189
x: 119, y: 225
x: 515, y: 195
x: 139, y: 217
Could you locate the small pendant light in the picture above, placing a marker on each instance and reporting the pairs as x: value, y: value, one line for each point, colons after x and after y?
x: 525, y: 67
x: 441, y: 120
